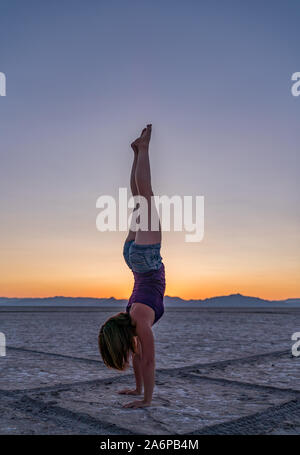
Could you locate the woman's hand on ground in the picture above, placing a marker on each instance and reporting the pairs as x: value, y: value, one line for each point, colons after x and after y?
x: 137, y: 404
x: 129, y: 392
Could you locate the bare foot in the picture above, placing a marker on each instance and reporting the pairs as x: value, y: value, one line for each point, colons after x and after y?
x: 143, y: 140
x: 145, y: 136
x: 134, y: 146
x: 129, y: 392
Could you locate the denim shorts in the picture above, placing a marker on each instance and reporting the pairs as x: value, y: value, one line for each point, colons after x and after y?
x: 142, y: 258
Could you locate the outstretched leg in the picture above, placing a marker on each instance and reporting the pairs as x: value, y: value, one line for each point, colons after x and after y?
x: 133, y: 186
x: 134, y: 190
x: 143, y: 184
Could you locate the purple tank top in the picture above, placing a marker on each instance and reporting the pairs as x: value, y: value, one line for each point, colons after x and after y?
x: 149, y: 288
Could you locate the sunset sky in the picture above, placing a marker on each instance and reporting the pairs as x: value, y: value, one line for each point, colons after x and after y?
x: 214, y: 79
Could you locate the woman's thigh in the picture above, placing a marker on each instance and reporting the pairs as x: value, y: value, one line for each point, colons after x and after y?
x: 147, y: 237
x: 153, y: 233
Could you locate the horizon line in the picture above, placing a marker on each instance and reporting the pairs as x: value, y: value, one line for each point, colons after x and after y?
x: 170, y: 296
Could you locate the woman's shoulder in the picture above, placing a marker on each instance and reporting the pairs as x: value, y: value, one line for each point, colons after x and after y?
x: 141, y: 313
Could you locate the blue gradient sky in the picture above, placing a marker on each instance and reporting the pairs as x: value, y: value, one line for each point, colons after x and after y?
x: 214, y: 79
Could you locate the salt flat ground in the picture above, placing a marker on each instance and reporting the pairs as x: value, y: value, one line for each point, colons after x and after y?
x: 218, y: 371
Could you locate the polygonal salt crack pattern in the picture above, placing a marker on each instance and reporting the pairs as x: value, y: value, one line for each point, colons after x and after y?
x: 185, y: 402
x: 243, y: 389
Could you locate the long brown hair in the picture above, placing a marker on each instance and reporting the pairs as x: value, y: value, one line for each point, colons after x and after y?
x: 116, y: 339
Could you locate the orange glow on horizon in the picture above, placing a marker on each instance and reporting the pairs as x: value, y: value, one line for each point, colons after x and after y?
x: 193, y: 291
x: 53, y: 267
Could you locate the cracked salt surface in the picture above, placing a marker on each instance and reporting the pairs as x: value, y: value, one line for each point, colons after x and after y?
x: 283, y: 372
x: 200, y: 405
x: 220, y: 335
x: 184, y: 400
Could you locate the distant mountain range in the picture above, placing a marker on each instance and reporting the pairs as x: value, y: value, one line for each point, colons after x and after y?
x: 225, y: 301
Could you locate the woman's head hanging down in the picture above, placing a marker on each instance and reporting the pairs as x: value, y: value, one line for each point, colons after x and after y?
x: 130, y: 332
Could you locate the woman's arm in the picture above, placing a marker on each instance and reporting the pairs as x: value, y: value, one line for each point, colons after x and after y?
x: 148, y: 360
x: 137, y: 367
x: 145, y: 334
